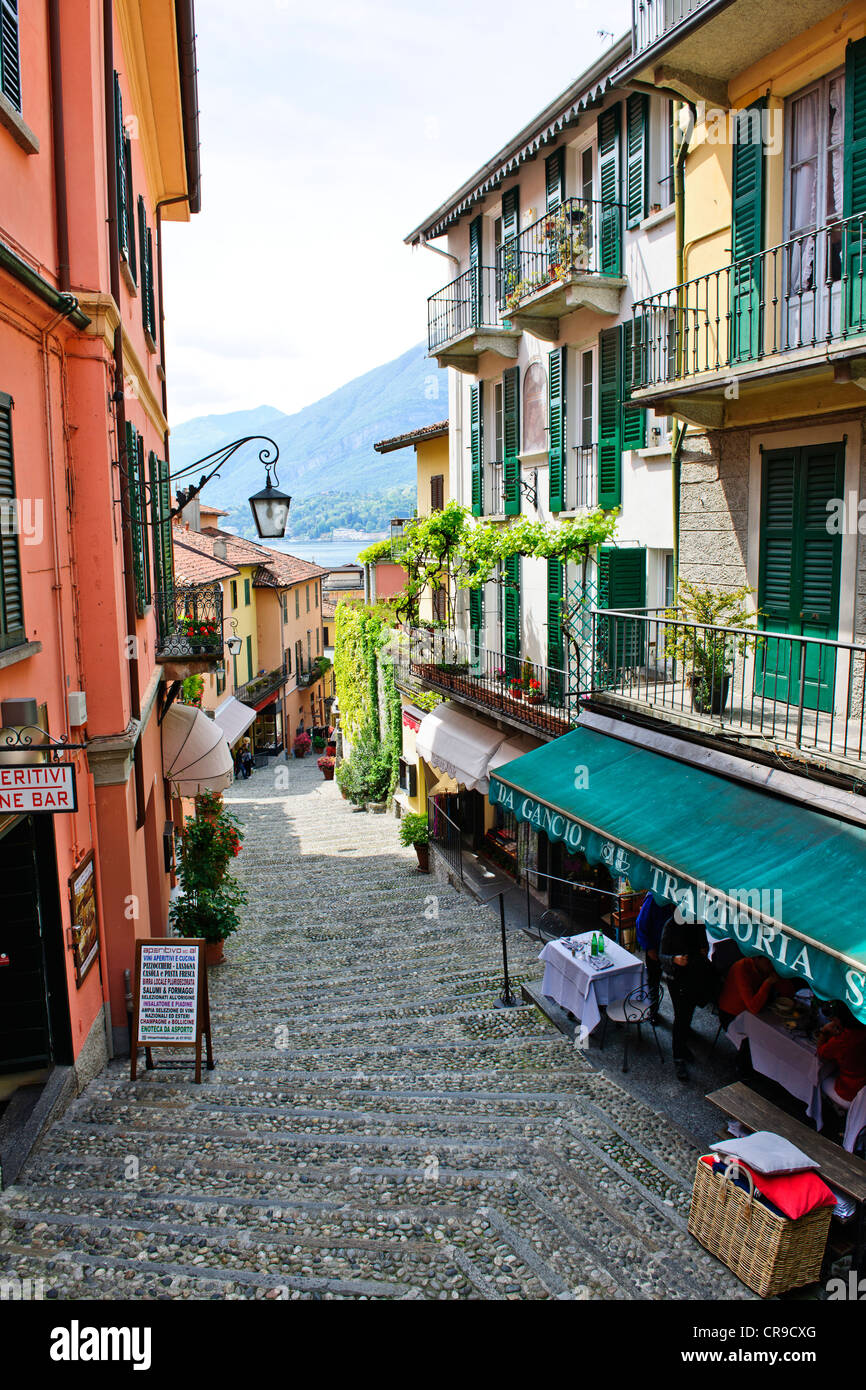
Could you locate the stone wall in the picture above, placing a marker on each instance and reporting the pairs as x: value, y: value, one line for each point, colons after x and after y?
x: 714, y: 509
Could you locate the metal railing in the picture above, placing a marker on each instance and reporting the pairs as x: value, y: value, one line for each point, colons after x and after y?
x: 807, y: 693
x: 805, y: 293
x: 579, y: 237
x: 445, y: 836
x: 580, y: 485
x: 524, y: 692
x: 494, y: 488
x: 189, y: 622
x: 466, y: 303
x: 261, y: 687
x: 652, y: 19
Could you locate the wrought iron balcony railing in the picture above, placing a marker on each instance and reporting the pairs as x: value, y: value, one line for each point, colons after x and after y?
x: 467, y: 303
x: 189, y: 622
x: 523, y: 692
x: 261, y: 687
x: 579, y: 237
x: 806, y: 293
x: 580, y: 485
x: 494, y: 488
x: 652, y: 19
x: 805, y: 693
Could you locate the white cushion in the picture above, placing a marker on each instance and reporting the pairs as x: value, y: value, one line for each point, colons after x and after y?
x: 767, y: 1153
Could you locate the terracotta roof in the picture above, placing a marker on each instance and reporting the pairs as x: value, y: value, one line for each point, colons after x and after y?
x: 238, y: 550
x: 402, y: 441
x: 211, y: 511
x: 283, y: 570
x: 191, y: 566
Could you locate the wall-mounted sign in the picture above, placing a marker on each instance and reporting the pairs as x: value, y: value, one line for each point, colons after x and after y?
x: 85, y: 929
x: 170, y: 1004
x: 38, y: 787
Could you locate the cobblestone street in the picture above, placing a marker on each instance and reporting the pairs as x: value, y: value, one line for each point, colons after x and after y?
x: 375, y: 1127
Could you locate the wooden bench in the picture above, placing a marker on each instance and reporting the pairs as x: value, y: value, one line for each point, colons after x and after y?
x: 842, y: 1170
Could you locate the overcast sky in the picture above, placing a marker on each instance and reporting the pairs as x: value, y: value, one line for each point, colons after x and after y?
x: 328, y: 132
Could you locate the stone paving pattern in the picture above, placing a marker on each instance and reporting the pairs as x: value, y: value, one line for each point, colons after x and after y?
x: 375, y: 1127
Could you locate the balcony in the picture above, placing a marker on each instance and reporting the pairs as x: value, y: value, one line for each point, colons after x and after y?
x: 696, y: 46
x: 463, y: 321
x: 494, y: 488
x: 190, y: 628
x: 258, y: 691
x: 523, y: 693
x: 704, y: 349
x: 569, y: 259
x: 803, y: 698
x: 580, y: 483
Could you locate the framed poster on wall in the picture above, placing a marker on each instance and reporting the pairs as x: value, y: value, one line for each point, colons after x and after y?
x: 85, y: 927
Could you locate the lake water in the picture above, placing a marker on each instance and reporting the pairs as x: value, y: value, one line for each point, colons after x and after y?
x: 324, y: 553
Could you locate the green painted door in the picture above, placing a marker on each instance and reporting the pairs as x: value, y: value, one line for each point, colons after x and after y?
x: 511, y: 605
x: 798, y: 585
x: 621, y: 585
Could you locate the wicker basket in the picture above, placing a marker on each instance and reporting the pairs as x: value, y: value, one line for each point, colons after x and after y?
x: 769, y: 1253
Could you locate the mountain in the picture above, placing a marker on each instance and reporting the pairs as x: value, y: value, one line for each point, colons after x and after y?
x: 326, y: 449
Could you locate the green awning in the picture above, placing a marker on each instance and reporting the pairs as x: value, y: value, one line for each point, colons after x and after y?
x: 781, y: 879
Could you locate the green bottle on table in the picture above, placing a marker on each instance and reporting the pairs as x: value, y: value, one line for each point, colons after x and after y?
x: 601, y: 943
x: 594, y: 950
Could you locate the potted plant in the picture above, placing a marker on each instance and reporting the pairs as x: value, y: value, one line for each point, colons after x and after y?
x: 301, y: 745
x: 326, y: 767
x: 210, y: 898
x: 414, y: 830
x: 696, y: 637
x: 373, y: 771
x: 212, y: 916
x: 203, y: 636
x: 533, y: 694
x: 209, y: 805
x: 515, y: 687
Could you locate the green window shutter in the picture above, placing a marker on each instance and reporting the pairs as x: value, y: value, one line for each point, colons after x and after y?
x: 609, y: 419
x: 475, y: 275
x: 512, y: 614
x: 476, y: 439
x: 622, y: 584
x: 747, y: 233
x: 556, y: 427
x: 147, y: 591
x: 10, y: 56
x: 554, y: 179
x: 476, y: 621
x: 509, y: 264
x: 123, y: 219
x: 555, y: 647
x: 637, y: 162
x: 250, y: 655
x: 511, y: 439
x: 11, y: 596
x: 163, y: 561
x: 854, y: 178
x: 136, y: 520
x: 130, y: 219
x: 147, y: 294
x: 610, y: 182
x: 633, y: 421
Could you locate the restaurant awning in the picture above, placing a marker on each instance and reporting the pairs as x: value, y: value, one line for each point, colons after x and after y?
x: 780, y: 878
x: 456, y: 743
x: 234, y: 718
x: 195, y: 754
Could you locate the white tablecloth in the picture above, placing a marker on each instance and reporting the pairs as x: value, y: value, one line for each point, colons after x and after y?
x: 573, y: 984
x: 778, y: 1054
x: 855, y: 1121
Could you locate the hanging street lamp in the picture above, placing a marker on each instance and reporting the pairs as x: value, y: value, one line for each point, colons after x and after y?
x: 270, y: 507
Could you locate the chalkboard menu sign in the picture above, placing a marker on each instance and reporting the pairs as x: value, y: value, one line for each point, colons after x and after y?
x: 170, y: 1004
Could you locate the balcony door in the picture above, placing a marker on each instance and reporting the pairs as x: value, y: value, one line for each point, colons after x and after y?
x: 814, y: 158
x: 798, y: 585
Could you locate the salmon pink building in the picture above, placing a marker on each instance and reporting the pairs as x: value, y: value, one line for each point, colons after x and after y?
x: 98, y: 148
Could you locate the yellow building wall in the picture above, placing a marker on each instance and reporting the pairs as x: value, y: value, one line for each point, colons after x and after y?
x: 431, y: 458
x: 245, y: 617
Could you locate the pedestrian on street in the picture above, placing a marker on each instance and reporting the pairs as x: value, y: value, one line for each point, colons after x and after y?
x: 691, y: 979
x: 651, y: 922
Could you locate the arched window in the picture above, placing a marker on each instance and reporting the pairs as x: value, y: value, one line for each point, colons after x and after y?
x: 534, y: 409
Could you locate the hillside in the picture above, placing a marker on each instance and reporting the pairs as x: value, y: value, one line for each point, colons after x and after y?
x: 326, y: 449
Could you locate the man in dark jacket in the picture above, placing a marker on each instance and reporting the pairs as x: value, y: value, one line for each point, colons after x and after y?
x: 691, y: 979
x: 651, y: 922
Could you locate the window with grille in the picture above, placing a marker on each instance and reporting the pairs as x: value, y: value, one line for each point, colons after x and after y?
x: 11, y: 598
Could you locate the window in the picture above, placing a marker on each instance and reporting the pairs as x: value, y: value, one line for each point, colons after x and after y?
x: 437, y: 492
x: 284, y: 604
x: 163, y: 565
x: 287, y: 661
x: 249, y: 657
x: 299, y: 658
x: 10, y: 58
x: 670, y: 594
x: 497, y: 422
x: 318, y: 641
x: 123, y: 166
x: 586, y: 175
x: 307, y: 590
x: 534, y: 409
x: 297, y: 603
x: 148, y: 308
x: 234, y: 593
x: 247, y: 599
x: 309, y: 649
x: 138, y: 518
x: 316, y: 594
x: 11, y: 600
x: 586, y: 398
x: 813, y: 202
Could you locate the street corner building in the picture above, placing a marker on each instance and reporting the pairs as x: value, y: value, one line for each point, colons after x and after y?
x: 98, y: 147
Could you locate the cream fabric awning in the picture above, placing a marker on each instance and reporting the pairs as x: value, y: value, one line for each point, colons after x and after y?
x: 195, y: 753
x: 234, y: 718
x: 514, y: 747
x: 456, y: 743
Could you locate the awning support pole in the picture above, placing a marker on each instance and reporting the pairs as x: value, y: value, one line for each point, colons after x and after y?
x: 506, y: 999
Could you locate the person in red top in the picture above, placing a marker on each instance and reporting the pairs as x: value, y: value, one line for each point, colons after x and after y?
x: 749, y: 984
x: 843, y: 1041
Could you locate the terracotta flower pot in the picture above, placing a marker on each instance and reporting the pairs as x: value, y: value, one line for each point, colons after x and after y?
x: 328, y: 774
x: 214, y: 952
x: 423, y: 853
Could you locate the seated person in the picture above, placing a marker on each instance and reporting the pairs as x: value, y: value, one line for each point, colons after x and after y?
x: 749, y: 985
x: 843, y: 1041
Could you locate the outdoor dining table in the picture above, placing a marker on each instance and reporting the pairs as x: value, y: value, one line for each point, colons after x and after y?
x: 570, y: 980
x: 784, y: 1055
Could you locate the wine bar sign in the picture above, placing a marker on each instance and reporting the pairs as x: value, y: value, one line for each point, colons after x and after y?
x: 38, y: 787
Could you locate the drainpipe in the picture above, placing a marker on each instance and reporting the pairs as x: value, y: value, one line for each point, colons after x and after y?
x: 428, y: 246
x: 61, y: 207
x: 679, y: 428
x: 119, y: 401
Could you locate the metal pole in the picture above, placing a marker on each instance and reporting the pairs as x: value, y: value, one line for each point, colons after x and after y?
x: 506, y: 999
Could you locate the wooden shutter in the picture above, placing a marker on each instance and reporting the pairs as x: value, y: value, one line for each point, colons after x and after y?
x: 509, y: 264
x: 148, y: 314
x: 511, y: 439
x: 130, y: 218
x: 11, y: 597
x: 138, y: 518
x: 555, y: 647
x: 610, y: 181
x: 476, y: 622
x: 512, y: 614
x: 633, y: 421
x: 554, y: 179
x: 854, y: 186
x: 437, y: 492
x: 475, y: 274
x: 557, y: 441
x: 123, y: 221
x: 622, y: 585
x: 476, y: 440
x: 163, y: 556
x: 747, y: 233
x: 609, y: 418
x: 10, y: 57
x: 637, y: 161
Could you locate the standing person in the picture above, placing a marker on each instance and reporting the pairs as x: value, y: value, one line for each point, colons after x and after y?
x: 651, y: 922
x: 692, y: 981
x: 247, y: 758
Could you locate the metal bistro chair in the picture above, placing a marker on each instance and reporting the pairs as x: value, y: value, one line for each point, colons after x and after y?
x: 640, y: 1006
